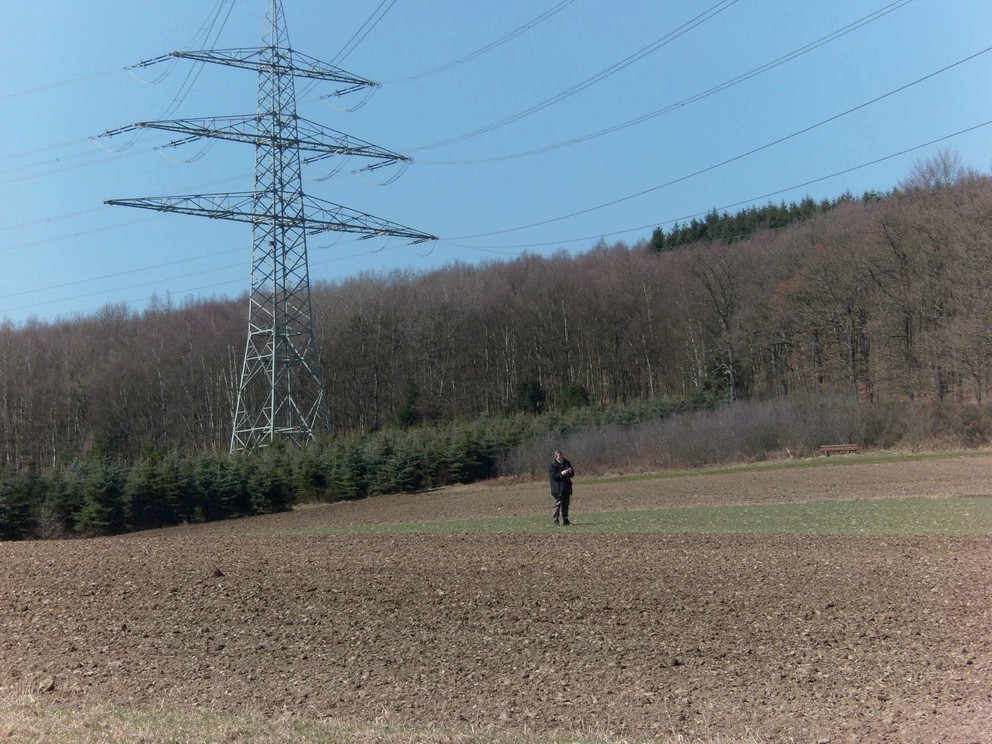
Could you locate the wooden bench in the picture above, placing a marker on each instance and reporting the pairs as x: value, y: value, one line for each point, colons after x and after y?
x: 838, y: 449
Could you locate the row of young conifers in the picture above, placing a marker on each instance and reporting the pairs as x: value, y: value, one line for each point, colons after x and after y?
x: 106, y: 496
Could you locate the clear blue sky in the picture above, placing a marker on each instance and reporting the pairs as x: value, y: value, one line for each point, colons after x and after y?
x: 688, y: 88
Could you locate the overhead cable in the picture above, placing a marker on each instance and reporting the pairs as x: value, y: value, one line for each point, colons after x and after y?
x: 742, y: 202
x: 795, y: 54
x: 487, y: 48
x: 598, y: 77
x: 741, y: 156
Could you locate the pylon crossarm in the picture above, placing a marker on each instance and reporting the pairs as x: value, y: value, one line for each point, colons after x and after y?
x: 277, y: 61
x: 321, y: 215
x: 150, y: 62
x: 119, y: 130
x: 311, y: 137
x: 236, y: 128
x: 235, y: 207
x: 339, y: 143
x: 179, y: 142
x: 342, y: 219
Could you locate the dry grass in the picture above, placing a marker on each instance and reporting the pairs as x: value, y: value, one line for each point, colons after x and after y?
x: 24, y: 718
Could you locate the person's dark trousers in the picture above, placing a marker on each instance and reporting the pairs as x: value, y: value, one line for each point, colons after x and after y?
x: 561, y: 509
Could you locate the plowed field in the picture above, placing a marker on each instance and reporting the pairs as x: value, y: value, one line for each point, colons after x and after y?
x: 777, y: 638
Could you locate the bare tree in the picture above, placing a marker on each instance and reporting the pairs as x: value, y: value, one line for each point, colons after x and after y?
x: 941, y: 170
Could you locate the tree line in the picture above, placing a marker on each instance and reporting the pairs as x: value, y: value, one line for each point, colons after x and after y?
x: 107, y: 496
x: 880, y: 299
x: 746, y: 222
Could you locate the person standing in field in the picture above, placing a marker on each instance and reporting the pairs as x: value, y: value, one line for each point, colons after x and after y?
x: 560, y: 473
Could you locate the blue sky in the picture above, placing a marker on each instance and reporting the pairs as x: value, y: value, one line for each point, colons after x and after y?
x: 534, y: 125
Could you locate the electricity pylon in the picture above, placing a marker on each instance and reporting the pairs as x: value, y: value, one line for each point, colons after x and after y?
x: 281, y: 393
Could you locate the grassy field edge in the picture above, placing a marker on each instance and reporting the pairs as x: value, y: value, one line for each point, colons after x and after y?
x: 920, y: 516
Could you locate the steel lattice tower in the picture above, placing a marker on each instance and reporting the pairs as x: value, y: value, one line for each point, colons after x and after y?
x: 281, y: 392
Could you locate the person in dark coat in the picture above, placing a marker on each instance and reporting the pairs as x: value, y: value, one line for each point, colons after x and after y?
x: 560, y: 473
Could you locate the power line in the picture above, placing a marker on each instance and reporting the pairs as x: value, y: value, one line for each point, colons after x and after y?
x: 80, y: 233
x: 750, y: 200
x: 64, y: 169
x: 130, y: 272
x: 204, y: 31
x: 356, y: 38
x: 501, y: 250
x: 598, y: 77
x: 117, y: 289
x: 488, y: 47
x: 768, y: 66
x: 46, y: 148
x: 364, y: 30
x: 212, y: 285
x: 193, y: 73
x: 585, y: 238
x: 741, y: 156
x: 54, y: 86
x: 30, y: 244
x: 532, y: 244
x: 55, y: 218
x: 523, y: 246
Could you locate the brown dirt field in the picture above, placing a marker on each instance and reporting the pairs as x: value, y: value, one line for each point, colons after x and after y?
x: 781, y: 638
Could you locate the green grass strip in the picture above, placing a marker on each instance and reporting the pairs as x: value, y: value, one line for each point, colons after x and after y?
x: 33, y: 721
x: 966, y: 516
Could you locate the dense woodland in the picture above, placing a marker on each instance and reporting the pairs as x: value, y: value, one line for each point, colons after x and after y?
x: 878, y: 298
x: 865, y: 318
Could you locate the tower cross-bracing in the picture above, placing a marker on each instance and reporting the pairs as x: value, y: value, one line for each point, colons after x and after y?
x: 281, y: 394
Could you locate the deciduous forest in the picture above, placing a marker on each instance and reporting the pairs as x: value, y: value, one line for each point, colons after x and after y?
x: 877, y: 299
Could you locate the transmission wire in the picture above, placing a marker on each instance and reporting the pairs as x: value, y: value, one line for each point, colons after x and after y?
x: 736, y: 157
x: 352, y: 43
x: 726, y: 85
x: 487, y: 48
x: 588, y: 82
x: 750, y: 200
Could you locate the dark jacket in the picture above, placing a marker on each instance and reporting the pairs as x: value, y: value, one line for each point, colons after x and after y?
x: 561, y: 485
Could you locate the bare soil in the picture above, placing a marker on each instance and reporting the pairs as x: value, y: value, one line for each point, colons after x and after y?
x: 781, y: 638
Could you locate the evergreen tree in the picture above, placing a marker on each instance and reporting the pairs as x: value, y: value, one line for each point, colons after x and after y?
x: 147, y: 505
x: 17, y: 497
x: 408, y: 412
x: 530, y: 396
x: 269, y: 483
x: 206, y: 487
x: 307, y: 478
x: 350, y: 471
x: 574, y: 395
x: 232, y: 485
x: 102, y: 512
